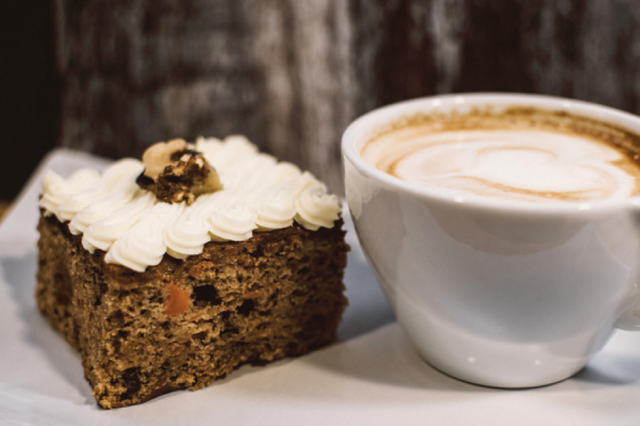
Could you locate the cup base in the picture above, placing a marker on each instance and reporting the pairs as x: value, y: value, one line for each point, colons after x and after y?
x: 486, y: 382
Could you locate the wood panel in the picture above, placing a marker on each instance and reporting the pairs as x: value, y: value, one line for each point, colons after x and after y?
x: 291, y: 74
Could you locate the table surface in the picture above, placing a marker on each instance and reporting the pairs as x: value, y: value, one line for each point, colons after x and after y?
x: 371, y: 376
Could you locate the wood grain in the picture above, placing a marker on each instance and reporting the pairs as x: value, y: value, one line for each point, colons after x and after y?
x: 291, y: 74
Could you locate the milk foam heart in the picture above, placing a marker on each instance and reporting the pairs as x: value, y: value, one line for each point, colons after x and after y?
x: 523, y: 164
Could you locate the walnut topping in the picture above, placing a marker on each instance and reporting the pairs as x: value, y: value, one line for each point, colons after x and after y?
x: 176, y: 173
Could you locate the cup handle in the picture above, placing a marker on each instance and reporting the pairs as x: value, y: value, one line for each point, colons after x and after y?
x: 630, y: 318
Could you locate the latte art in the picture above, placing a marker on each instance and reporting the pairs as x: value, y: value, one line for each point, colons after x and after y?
x: 523, y: 164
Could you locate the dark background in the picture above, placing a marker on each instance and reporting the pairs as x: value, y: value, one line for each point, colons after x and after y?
x: 112, y: 77
x: 29, y: 90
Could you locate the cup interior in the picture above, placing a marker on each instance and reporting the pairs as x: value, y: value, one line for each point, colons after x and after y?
x: 365, y: 127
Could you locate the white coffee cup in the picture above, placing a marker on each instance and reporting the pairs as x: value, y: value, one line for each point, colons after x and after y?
x: 497, y: 292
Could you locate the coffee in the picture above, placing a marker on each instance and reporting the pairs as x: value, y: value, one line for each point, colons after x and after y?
x: 522, y: 154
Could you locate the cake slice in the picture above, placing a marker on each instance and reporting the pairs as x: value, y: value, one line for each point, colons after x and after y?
x: 153, y: 307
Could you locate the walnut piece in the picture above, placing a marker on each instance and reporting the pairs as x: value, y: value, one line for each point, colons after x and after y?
x: 176, y: 173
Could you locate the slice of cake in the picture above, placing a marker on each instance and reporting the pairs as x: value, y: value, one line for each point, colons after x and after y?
x: 169, y: 273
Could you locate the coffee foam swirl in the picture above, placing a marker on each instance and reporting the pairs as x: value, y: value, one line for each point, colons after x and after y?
x: 529, y: 164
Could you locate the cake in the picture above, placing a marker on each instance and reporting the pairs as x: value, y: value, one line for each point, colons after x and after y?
x: 169, y: 273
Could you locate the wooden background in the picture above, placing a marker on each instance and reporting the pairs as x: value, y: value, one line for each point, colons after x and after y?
x: 291, y: 74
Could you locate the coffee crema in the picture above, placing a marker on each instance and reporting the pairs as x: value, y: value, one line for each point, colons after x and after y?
x: 521, y: 153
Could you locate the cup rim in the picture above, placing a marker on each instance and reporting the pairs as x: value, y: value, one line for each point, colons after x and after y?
x: 552, y: 103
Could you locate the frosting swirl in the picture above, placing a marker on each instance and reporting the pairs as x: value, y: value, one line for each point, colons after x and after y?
x: 135, y: 230
x: 144, y: 245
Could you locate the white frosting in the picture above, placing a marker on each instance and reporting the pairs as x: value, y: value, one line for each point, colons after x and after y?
x: 530, y: 165
x: 55, y: 189
x: 115, y: 182
x: 104, y: 232
x: 115, y: 190
x: 144, y: 245
x: 135, y: 230
x: 313, y: 207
